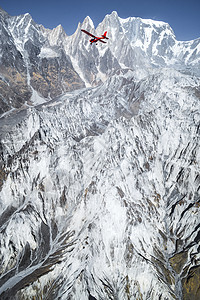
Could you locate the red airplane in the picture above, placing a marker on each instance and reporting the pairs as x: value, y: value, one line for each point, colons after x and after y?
x: 95, y: 39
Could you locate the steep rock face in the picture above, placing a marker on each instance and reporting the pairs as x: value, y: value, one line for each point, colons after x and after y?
x: 93, y: 65
x: 38, y: 64
x: 134, y: 43
x: 12, y: 71
x: 150, y: 42
x: 100, y: 193
x: 31, y: 70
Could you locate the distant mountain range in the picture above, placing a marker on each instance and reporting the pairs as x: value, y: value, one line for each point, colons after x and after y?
x: 39, y: 64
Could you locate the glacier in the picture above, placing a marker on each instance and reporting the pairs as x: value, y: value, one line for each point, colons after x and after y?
x: 100, y: 184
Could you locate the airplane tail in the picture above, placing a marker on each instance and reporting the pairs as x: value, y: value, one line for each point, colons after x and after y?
x: 104, y: 35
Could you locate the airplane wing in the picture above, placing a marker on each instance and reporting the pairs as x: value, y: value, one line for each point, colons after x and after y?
x: 88, y: 33
x: 102, y: 41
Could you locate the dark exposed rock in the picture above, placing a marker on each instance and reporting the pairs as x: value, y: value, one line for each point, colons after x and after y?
x: 22, y: 69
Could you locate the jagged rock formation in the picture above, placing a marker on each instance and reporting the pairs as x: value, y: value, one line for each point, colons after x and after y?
x: 31, y: 72
x: 39, y: 64
x: 100, y: 187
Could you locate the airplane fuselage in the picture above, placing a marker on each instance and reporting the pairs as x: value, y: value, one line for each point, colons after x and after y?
x: 95, y: 39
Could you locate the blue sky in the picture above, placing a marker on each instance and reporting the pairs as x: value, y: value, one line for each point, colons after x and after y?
x: 182, y: 15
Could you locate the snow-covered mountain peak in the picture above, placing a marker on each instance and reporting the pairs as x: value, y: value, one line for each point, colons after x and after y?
x: 136, y: 29
x: 23, y: 20
x: 57, y: 36
x: 137, y: 41
x: 22, y: 28
x: 133, y: 43
x: 88, y: 23
x: 3, y: 13
x: 60, y: 29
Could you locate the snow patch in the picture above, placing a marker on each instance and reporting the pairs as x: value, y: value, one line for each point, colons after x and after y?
x: 48, y: 53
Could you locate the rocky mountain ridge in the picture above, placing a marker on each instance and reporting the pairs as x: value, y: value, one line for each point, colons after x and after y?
x: 39, y: 64
x: 30, y: 76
